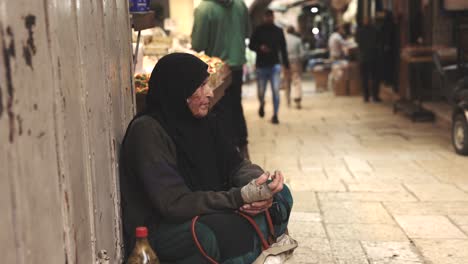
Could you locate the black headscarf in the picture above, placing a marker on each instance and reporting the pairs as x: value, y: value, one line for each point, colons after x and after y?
x: 199, y: 145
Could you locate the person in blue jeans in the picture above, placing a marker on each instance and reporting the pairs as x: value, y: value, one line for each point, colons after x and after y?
x: 268, y: 42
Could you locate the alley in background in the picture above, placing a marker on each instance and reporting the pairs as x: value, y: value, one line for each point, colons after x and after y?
x: 369, y: 186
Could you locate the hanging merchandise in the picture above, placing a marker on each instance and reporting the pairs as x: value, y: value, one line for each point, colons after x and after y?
x: 339, y: 4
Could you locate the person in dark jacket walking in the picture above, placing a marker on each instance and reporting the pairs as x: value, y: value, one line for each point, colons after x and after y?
x: 367, y: 38
x: 176, y: 165
x: 220, y: 28
x: 268, y: 42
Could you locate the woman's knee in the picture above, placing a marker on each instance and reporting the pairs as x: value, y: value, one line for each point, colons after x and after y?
x: 207, y: 240
x: 286, y: 194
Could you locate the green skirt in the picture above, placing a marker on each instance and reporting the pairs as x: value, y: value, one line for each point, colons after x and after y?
x: 173, y: 243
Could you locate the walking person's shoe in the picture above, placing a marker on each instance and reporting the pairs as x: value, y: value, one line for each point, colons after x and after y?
x: 377, y: 100
x: 275, y: 120
x: 298, y: 103
x: 261, y: 110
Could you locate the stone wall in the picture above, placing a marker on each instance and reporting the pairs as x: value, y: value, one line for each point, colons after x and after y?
x: 66, y: 97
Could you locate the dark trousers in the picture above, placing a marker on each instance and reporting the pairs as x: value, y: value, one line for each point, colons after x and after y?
x: 230, y: 112
x: 173, y: 242
x: 369, y: 72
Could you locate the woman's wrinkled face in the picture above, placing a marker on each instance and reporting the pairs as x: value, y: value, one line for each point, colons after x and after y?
x: 199, y: 102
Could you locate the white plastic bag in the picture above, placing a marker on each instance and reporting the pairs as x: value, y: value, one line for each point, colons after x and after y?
x: 279, y: 252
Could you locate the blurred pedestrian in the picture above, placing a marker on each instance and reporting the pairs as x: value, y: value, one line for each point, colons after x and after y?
x: 368, y: 50
x: 268, y: 42
x: 220, y: 29
x: 336, y: 43
x: 295, y: 54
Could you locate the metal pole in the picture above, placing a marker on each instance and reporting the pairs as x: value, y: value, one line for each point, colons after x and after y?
x: 135, y: 56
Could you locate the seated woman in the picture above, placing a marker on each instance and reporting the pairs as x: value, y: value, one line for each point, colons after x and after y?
x: 176, y: 165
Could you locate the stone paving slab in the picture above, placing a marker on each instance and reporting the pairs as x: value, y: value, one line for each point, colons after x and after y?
x: 339, y: 174
x: 449, y: 251
x: 419, y: 156
x: 298, y: 184
x: 438, y: 165
x: 437, y: 192
x: 461, y: 221
x: 392, y: 253
x: 375, y: 186
x: 305, y: 202
x: 458, y: 176
x: 303, y: 230
x: 388, y: 176
x: 305, y: 217
x: 357, y: 165
x: 355, y: 212
x: 365, y: 232
x: 463, y: 186
x: 370, y: 153
x: 364, y: 181
x: 412, y: 171
x: 279, y: 160
x: 451, y: 156
x: 313, y: 162
x: 432, y: 227
x: 313, y: 173
x: 348, y: 252
x: 336, y: 152
x: 380, y: 145
x: 313, y: 151
x: 407, y: 165
x: 312, y: 251
x: 427, y: 208
x: 366, y: 196
x: 308, y: 230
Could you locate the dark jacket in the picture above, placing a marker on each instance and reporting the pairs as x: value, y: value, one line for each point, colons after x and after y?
x: 152, y: 188
x: 273, y: 37
x: 367, y: 38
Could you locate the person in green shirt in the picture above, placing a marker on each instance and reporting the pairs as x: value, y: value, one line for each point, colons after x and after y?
x: 220, y: 29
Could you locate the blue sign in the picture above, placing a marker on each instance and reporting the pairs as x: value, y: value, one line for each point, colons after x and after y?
x: 139, y: 5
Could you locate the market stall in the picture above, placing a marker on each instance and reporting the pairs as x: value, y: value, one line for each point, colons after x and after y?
x: 219, y: 80
x: 151, y: 43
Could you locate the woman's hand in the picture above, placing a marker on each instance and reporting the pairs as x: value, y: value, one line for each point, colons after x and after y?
x: 276, y: 184
x: 256, y: 207
x: 260, y: 190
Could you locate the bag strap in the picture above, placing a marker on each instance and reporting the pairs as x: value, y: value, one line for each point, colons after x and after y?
x: 199, y: 246
x: 271, y: 228
x: 265, y: 244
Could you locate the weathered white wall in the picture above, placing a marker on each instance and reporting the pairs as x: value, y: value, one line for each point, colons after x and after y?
x: 65, y: 100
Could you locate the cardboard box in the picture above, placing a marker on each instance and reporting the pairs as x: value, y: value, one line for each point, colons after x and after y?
x: 353, y: 71
x: 354, y: 79
x: 338, y: 79
x: 340, y: 87
x: 321, y: 78
x: 355, y: 87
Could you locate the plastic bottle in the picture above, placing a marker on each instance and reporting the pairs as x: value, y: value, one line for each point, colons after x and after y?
x: 142, y: 252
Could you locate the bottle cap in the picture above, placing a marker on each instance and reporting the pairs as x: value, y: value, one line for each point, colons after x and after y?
x: 141, y: 232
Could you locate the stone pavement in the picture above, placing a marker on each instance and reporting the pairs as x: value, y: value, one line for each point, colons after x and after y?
x: 369, y: 186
